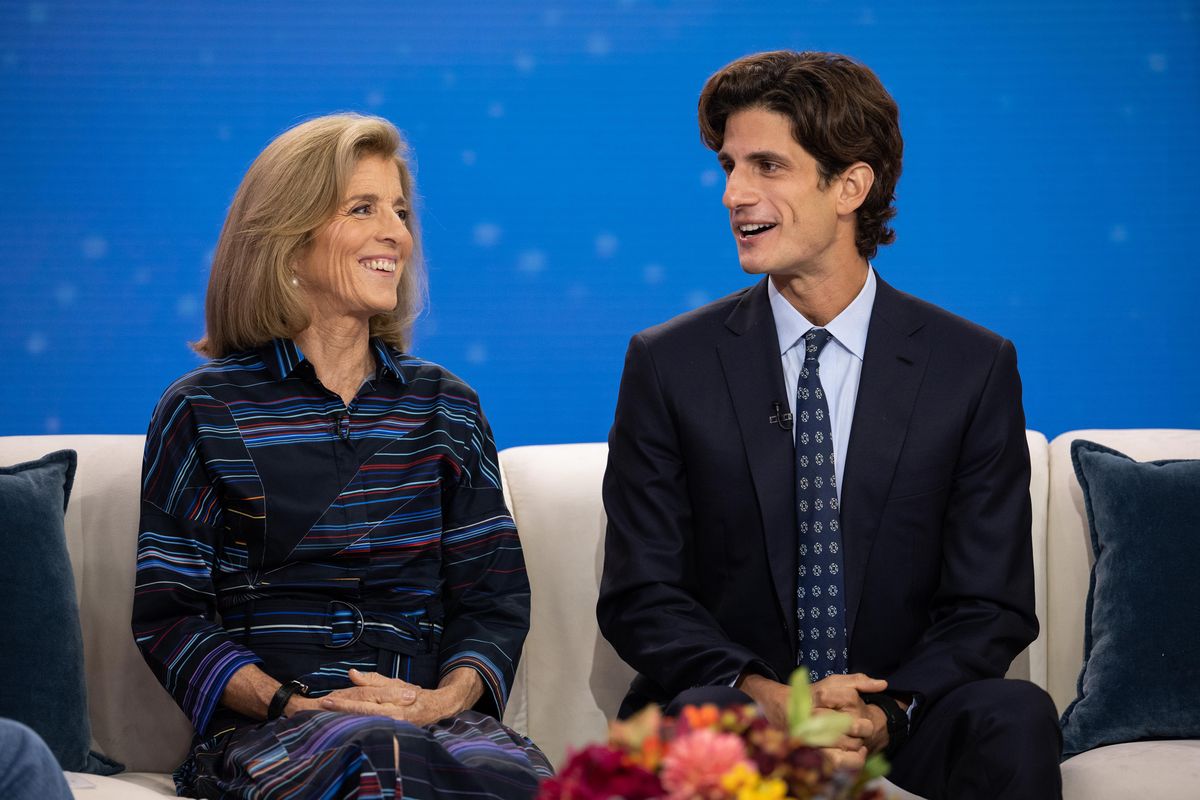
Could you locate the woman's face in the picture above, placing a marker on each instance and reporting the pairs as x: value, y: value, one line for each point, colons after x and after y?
x: 353, y: 265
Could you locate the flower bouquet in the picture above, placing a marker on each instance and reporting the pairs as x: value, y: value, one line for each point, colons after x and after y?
x: 712, y: 754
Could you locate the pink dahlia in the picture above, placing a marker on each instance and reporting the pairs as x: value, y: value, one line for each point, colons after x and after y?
x: 695, y: 763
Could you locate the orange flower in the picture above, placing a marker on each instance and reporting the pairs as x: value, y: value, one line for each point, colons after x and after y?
x: 650, y: 754
x: 705, y: 716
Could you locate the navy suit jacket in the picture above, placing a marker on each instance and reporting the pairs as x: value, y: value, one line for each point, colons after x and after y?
x: 700, y: 568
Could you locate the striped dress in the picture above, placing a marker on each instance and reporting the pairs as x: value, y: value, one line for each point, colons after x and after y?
x: 282, y: 528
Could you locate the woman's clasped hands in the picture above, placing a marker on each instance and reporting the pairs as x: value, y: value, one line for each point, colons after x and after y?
x: 377, y: 695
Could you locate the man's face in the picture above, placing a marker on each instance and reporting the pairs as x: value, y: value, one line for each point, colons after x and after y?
x: 783, y: 222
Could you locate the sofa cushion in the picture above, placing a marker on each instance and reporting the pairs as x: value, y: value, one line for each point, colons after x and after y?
x: 1166, y: 770
x: 1141, y: 670
x: 41, y: 662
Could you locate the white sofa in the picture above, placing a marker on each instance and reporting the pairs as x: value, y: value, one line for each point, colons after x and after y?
x: 570, y: 680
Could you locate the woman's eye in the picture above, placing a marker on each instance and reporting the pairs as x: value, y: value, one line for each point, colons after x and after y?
x: 402, y: 213
x: 361, y: 210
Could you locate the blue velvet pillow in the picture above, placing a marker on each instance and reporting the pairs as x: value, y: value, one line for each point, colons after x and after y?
x: 1141, y: 646
x: 41, y: 647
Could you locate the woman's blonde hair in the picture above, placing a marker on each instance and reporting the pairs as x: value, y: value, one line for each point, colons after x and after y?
x: 290, y: 191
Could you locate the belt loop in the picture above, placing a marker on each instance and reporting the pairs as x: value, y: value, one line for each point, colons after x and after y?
x: 248, y: 621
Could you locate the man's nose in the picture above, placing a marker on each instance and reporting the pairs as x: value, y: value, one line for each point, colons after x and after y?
x: 738, y: 191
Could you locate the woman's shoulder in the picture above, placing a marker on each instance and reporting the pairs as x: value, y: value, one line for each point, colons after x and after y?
x: 425, y: 376
x: 217, y: 371
x: 211, y: 376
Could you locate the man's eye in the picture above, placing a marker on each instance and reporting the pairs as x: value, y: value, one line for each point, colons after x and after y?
x: 770, y: 166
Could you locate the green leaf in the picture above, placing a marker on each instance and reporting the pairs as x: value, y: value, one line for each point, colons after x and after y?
x: 815, y: 730
x: 822, y: 730
x: 799, y: 700
x: 876, y: 767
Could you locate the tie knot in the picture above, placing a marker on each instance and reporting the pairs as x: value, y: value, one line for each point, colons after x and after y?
x: 814, y: 342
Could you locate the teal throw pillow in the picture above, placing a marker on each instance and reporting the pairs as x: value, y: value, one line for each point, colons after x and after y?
x: 1141, y: 660
x: 41, y: 660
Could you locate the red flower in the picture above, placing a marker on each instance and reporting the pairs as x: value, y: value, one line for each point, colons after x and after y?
x: 598, y: 773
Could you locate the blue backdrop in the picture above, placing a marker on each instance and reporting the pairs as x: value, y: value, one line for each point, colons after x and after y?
x: 1048, y: 192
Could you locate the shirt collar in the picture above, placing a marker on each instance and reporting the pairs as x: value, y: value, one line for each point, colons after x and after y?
x: 849, y: 328
x: 283, y: 356
x: 387, y: 359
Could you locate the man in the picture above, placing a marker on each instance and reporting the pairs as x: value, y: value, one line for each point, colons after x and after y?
x: 823, y: 471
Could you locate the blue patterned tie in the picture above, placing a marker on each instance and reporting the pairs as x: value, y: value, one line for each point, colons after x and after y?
x: 820, y: 608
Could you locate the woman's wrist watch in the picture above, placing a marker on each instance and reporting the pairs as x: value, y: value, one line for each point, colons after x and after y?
x: 282, y: 695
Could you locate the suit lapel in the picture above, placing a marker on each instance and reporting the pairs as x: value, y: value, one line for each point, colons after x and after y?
x: 893, y: 366
x: 754, y: 373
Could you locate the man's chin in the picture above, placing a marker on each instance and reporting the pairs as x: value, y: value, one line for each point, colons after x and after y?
x: 751, y: 265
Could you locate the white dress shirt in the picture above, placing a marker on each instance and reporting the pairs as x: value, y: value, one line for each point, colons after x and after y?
x: 841, y: 360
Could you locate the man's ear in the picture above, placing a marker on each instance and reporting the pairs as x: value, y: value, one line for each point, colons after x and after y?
x: 853, y: 186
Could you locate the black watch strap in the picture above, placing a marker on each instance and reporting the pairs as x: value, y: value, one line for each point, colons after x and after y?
x: 897, y: 720
x: 282, y: 695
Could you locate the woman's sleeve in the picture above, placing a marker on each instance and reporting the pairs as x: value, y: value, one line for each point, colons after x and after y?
x: 485, y: 588
x: 174, y: 603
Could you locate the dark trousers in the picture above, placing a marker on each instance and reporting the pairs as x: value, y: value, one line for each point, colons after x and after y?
x: 987, y: 739
x: 28, y: 770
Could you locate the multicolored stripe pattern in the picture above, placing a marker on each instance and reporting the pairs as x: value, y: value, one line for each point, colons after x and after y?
x: 281, y: 527
x: 324, y: 754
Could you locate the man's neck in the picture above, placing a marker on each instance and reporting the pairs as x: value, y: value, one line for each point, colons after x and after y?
x: 821, y: 294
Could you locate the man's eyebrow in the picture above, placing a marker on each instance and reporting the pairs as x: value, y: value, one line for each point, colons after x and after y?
x: 767, y: 155
x: 757, y: 155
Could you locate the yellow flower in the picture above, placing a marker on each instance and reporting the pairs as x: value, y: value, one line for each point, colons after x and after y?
x: 773, y: 789
x: 742, y: 776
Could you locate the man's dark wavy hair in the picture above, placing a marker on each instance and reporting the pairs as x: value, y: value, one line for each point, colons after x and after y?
x: 839, y: 111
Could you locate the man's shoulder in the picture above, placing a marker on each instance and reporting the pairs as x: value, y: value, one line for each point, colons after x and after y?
x: 946, y: 328
x: 698, y: 326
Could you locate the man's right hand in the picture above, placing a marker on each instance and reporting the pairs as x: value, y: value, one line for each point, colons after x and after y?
x: 835, y: 693
x: 770, y: 696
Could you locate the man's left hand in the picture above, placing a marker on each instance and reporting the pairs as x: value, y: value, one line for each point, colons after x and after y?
x: 868, y: 727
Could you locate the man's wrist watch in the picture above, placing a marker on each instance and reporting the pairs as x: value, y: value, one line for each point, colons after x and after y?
x: 282, y: 695
x: 897, y: 720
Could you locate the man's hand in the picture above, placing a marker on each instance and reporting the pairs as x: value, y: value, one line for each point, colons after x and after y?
x: 868, y: 725
x: 375, y: 695
x: 770, y: 696
x: 844, y: 693
x: 841, y: 693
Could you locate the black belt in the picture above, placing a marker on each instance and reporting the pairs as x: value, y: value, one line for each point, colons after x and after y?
x: 338, y: 624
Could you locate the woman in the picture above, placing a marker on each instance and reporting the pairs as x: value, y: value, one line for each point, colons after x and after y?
x: 329, y: 583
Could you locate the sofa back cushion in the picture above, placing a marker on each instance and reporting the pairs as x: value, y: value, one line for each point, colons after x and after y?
x: 570, y: 681
x: 1141, y: 674
x: 41, y: 664
x: 1068, y: 546
x: 133, y: 719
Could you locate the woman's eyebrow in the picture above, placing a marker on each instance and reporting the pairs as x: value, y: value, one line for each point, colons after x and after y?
x: 374, y: 198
